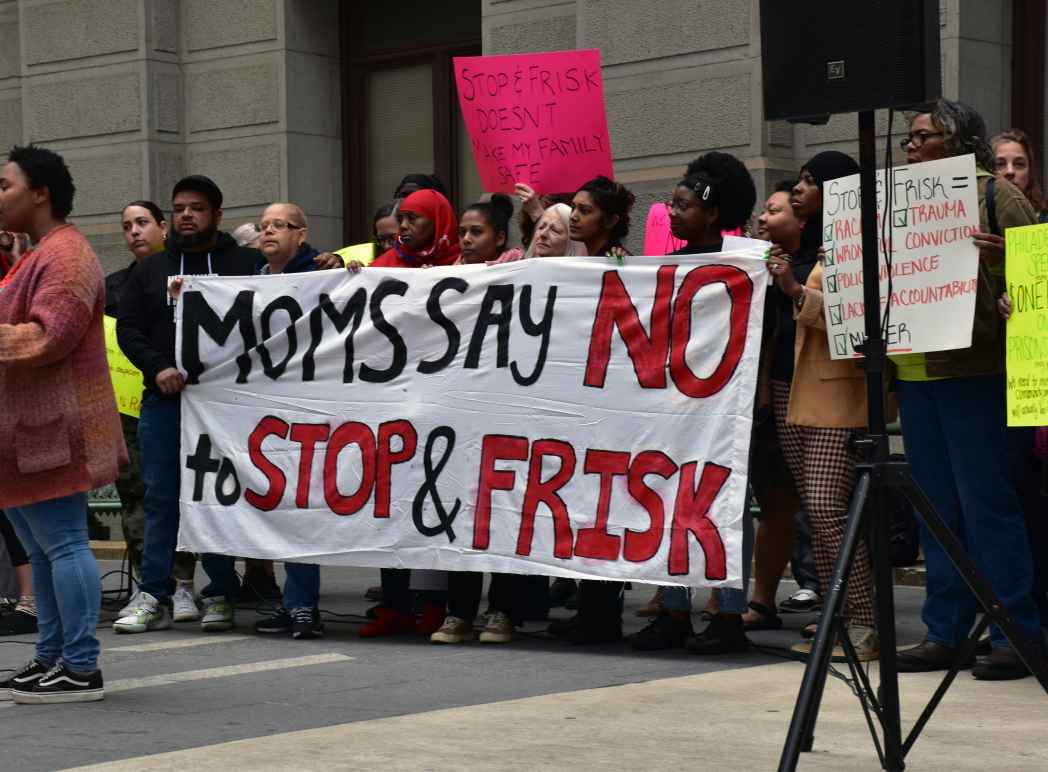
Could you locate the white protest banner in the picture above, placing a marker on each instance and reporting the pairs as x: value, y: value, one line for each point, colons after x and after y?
x: 934, y: 212
x: 569, y: 417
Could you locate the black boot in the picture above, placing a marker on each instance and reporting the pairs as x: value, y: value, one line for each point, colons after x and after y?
x: 725, y: 634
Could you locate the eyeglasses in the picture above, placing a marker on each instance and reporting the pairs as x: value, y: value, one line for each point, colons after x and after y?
x: 278, y: 225
x: 918, y: 138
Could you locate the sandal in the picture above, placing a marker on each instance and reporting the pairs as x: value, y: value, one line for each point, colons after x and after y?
x: 767, y: 620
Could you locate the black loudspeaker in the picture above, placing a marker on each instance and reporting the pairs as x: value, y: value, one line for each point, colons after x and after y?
x: 830, y: 56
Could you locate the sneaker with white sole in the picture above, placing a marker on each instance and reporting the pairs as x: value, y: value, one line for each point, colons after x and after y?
x: 218, y: 614
x: 454, y: 630
x: 132, y: 603
x: 24, y: 678
x: 184, y: 604
x: 146, y: 614
x: 498, y: 628
x: 61, y: 684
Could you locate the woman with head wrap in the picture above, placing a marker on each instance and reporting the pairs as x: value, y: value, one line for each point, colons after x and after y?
x: 826, y: 403
x: 427, y: 233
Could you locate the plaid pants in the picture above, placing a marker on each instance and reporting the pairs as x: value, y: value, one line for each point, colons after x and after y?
x: 823, y: 467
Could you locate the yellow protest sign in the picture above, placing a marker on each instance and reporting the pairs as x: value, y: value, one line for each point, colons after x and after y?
x: 362, y: 253
x: 1026, y: 273
x: 127, y: 379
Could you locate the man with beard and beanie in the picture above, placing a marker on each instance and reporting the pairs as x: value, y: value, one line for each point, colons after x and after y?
x: 146, y: 334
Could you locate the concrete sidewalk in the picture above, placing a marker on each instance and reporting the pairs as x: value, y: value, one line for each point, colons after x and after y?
x: 725, y: 720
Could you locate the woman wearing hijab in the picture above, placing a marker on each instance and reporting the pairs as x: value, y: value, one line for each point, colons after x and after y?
x: 427, y: 233
x: 825, y: 406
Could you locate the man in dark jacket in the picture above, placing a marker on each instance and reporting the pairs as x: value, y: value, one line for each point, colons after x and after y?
x: 146, y: 334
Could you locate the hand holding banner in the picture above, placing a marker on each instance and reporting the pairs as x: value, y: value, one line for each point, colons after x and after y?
x: 535, y: 118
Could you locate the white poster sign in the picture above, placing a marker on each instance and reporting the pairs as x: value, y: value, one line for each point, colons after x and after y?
x: 569, y: 417
x: 934, y: 264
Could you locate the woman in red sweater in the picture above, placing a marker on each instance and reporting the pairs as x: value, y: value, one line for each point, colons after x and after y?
x: 60, y: 434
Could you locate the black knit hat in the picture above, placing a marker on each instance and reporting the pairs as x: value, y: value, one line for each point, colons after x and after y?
x: 200, y: 184
x: 829, y: 165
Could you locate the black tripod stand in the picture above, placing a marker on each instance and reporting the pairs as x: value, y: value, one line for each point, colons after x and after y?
x: 867, y: 519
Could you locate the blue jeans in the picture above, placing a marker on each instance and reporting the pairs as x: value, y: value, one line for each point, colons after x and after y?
x: 302, y: 585
x: 958, y: 448
x: 158, y: 440
x: 729, y: 600
x: 65, y: 579
x: 159, y: 435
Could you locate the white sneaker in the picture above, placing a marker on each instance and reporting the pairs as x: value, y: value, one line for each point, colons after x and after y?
x: 131, y: 604
x: 218, y: 614
x: 147, y: 613
x: 185, y: 607
x: 498, y: 628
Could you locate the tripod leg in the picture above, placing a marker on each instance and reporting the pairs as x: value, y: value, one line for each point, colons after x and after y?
x: 883, y: 578
x: 1027, y: 650
x: 806, y: 711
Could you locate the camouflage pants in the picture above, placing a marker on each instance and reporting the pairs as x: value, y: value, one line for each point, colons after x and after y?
x: 133, y: 515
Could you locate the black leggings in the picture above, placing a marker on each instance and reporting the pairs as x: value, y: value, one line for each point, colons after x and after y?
x: 14, y: 546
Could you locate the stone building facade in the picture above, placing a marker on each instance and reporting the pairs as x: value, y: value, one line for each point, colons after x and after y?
x: 327, y: 103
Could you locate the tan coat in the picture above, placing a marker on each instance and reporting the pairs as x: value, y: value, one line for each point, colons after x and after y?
x: 825, y: 393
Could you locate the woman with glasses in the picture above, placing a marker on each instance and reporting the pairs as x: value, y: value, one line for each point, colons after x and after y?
x: 384, y: 228
x: 717, y: 194
x: 952, y: 405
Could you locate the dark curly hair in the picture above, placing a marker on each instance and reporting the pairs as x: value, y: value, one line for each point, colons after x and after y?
x: 612, y: 198
x: 723, y: 181
x: 46, y: 169
x: 497, y: 212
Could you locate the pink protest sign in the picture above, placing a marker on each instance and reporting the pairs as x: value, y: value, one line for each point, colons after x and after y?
x: 535, y: 118
x: 657, y: 237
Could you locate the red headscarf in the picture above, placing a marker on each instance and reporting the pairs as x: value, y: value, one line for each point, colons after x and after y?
x: 443, y: 250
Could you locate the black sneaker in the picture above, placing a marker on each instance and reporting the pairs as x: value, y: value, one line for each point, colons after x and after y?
x: 725, y: 634
x: 279, y: 623
x: 61, y: 684
x: 24, y: 678
x: 306, y: 624
x: 18, y: 622
x: 663, y: 632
